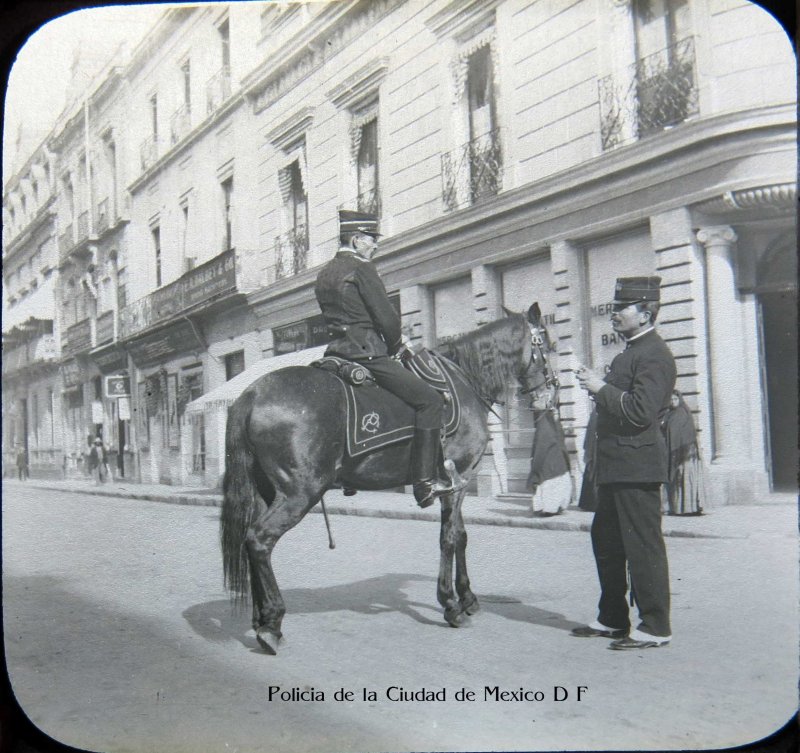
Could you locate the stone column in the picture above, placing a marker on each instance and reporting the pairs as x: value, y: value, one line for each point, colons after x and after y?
x: 486, y: 294
x: 418, y: 325
x: 725, y: 343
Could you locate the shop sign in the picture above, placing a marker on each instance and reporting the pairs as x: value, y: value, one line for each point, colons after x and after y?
x: 210, y: 279
x: 118, y: 386
x: 163, y: 345
x: 290, y: 338
x: 166, y: 301
x: 318, y: 331
x: 124, y: 409
x: 104, y: 330
x: 97, y: 411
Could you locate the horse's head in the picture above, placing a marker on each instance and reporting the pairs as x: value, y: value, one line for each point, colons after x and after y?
x: 538, y: 377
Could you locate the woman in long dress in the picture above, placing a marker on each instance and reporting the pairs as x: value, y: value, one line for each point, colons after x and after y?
x: 686, y: 487
x: 549, y: 481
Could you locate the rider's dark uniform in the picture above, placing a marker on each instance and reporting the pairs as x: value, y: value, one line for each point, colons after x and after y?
x: 366, y: 328
x: 356, y: 307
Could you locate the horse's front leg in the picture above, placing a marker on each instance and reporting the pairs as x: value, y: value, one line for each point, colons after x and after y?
x: 469, y: 602
x: 447, y: 544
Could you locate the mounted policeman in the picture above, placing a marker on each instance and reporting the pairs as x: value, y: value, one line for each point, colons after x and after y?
x: 365, y: 328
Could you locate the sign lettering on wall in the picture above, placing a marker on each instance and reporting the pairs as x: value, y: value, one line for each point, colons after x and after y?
x: 210, y: 279
x: 164, y: 344
x: 622, y: 256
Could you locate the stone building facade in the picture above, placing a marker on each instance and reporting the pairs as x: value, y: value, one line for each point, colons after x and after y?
x: 514, y: 150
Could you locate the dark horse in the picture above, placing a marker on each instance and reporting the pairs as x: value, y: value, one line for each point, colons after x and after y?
x: 285, y: 447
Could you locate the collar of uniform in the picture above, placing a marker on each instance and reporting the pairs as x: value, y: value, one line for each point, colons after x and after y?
x: 344, y: 251
x: 636, y: 338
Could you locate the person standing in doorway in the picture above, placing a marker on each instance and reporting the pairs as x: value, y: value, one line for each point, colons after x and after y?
x: 685, y: 485
x: 631, y: 465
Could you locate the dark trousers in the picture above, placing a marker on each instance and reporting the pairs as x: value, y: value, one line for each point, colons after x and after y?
x: 424, y: 399
x: 627, y: 529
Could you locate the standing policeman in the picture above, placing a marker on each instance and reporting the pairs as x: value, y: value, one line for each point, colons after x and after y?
x: 631, y: 465
x: 366, y: 328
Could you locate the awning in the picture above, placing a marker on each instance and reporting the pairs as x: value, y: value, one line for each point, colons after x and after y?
x: 226, y: 393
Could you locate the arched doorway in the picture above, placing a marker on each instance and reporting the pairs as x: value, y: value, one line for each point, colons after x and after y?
x: 777, y: 300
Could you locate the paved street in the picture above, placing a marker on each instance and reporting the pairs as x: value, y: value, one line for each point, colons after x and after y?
x: 119, y: 637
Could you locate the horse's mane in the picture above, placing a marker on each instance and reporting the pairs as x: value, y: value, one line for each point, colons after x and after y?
x: 490, y: 355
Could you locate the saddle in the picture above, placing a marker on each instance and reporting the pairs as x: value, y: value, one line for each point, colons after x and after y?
x: 377, y: 418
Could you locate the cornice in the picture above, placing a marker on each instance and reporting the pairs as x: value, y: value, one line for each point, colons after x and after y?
x: 779, y: 197
x: 460, y: 16
x: 44, y: 214
x: 328, y: 33
x: 290, y: 130
x: 363, y: 83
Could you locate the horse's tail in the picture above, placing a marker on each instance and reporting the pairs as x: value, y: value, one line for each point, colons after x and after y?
x: 238, y: 500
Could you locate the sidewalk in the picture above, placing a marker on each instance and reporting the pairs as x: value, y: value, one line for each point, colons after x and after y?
x: 776, y: 516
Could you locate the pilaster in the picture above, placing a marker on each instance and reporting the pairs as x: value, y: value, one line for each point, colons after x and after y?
x: 417, y: 316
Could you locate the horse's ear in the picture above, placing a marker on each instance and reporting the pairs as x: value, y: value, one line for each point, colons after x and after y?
x: 534, y: 314
x: 506, y: 311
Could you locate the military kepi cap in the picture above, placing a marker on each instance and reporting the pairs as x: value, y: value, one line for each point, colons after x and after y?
x: 354, y: 222
x: 635, y: 289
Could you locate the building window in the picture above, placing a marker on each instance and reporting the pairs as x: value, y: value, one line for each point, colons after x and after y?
x: 292, y: 247
x: 186, y: 74
x: 156, y: 233
x: 154, y: 117
x: 224, y: 30
x: 189, y: 259
x: 122, y: 289
x: 367, y: 168
x: 474, y: 170
x: 659, y: 88
x: 234, y: 364
x: 227, y: 213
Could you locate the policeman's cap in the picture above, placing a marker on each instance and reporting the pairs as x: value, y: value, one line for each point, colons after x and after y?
x: 629, y: 290
x: 357, y: 222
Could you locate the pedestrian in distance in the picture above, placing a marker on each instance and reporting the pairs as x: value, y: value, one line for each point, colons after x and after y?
x: 22, y: 463
x: 631, y: 401
x: 366, y: 329
x: 549, y: 480
x: 685, y: 485
x: 98, y: 461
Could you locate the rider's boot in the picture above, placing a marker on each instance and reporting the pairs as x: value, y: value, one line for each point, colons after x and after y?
x: 424, y: 466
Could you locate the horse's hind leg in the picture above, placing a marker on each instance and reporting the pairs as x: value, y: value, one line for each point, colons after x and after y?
x: 447, y: 545
x: 469, y: 602
x: 268, y: 605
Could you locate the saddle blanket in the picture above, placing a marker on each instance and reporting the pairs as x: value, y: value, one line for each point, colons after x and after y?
x: 377, y: 418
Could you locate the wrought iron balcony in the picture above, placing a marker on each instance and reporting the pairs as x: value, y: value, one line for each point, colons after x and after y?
x: 66, y: 241
x: 180, y: 123
x: 218, y: 89
x: 369, y: 201
x: 148, y: 152
x: 660, y: 91
x: 291, y: 253
x: 473, y: 172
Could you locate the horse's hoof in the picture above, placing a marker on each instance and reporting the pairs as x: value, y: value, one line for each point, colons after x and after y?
x: 268, y: 641
x: 454, y: 618
x: 471, y: 607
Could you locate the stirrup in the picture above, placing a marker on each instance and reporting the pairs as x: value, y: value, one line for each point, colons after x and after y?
x: 428, y: 490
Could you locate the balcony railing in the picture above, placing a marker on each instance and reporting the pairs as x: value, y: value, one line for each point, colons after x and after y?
x: 659, y: 91
x: 180, y: 123
x: 77, y: 338
x: 369, y: 201
x: 473, y: 172
x: 148, y: 152
x: 291, y: 253
x: 218, y: 89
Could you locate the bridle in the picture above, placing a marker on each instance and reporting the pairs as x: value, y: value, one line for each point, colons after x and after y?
x: 539, y: 356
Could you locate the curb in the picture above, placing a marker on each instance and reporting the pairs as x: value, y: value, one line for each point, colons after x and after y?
x: 366, y: 512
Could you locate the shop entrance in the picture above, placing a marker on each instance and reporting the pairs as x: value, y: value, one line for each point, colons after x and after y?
x: 777, y: 298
